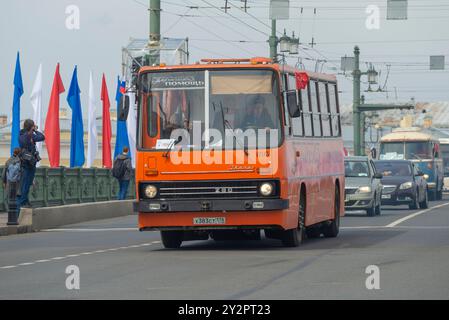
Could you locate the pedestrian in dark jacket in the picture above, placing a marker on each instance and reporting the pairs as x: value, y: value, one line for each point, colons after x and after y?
x: 122, y: 170
x: 10, y: 165
x: 11, y: 177
x: 28, y: 138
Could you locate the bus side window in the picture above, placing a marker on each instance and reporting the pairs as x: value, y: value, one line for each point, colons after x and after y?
x: 324, y: 109
x: 307, y: 114
x: 315, y: 110
x: 286, y: 87
x: 296, y: 123
x: 333, y: 106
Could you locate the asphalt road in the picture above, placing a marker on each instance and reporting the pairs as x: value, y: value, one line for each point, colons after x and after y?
x: 117, y: 262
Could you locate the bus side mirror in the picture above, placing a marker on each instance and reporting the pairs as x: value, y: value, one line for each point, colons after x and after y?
x: 378, y: 176
x: 123, y: 110
x: 292, y: 104
x: 374, y: 153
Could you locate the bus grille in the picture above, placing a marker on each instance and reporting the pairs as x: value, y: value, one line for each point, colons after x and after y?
x: 211, y: 189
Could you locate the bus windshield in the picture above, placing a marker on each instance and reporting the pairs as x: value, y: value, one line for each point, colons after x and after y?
x: 200, y: 109
x: 406, y: 151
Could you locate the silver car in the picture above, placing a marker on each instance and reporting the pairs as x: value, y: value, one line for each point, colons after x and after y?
x: 363, y: 189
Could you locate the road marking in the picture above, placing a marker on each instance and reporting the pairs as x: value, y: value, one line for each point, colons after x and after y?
x: 77, y: 255
x: 424, y: 227
x: 414, y: 215
x: 362, y: 228
x: 91, y: 230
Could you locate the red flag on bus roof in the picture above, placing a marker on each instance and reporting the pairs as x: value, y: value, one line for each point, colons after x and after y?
x: 302, y: 80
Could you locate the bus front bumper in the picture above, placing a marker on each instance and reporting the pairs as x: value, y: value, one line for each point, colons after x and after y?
x: 212, y: 205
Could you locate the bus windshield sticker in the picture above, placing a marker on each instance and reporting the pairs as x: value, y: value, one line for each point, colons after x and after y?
x: 176, y: 81
x: 164, y: 144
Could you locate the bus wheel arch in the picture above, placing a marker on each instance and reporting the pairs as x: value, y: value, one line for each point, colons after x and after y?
x: 294, y: 237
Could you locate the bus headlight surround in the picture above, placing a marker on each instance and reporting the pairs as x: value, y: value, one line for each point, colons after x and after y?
x: 150, y: 191
x: 366, y: 189
x: 266, y: 189
x: 406, y: 185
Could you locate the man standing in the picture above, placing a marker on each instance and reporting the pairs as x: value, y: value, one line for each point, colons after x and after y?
x: 28, y: 138
x: 121, y: 170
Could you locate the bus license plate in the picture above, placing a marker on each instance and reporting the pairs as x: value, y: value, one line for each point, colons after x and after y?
x: 209, y: 221
x: 386, y: 196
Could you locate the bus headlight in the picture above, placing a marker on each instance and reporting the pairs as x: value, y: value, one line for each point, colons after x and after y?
x: 407, y: 185
x: 426, y: 176
x: 266, y: 189
x: 366, y: 189
x: 150, y: 192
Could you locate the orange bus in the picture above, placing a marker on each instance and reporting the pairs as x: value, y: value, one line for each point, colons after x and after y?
x: 228, y: 148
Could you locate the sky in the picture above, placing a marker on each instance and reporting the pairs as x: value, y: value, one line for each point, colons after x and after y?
x: 38, y: 30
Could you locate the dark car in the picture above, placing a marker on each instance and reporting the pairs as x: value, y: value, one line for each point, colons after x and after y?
x: 403, y: 184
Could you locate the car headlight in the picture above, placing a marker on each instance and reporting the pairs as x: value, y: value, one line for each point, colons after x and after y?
x: 366, y: 189
x: 426, y: 176
x: 150, y: 192
x: 407, y: 185
x: 266, y: 189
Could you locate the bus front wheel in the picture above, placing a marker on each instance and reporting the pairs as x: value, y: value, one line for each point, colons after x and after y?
x: 172, y: 239
x: 294, y: 237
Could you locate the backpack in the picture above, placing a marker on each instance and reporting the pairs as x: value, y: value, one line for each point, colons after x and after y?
x: 119, y: 168
x: 14, y: 171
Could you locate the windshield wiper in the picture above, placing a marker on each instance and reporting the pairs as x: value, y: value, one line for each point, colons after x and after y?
x: 172, y: 144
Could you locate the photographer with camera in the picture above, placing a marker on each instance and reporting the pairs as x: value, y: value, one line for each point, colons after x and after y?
x: 29, y: 156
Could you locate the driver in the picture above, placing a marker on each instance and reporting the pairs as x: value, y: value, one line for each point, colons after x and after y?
x: 257, y: 115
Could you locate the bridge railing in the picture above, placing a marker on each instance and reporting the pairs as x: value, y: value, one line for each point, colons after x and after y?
x: 62, y: 186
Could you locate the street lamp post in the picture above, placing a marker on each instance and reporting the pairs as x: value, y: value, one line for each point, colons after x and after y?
x: 356, y: 116
x: 287, y: 44
x: 273, y: 41
x: 359, y: 107
x: 155, y: 32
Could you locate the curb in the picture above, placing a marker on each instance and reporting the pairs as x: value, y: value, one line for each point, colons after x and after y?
x: 14, y: 230
x: 34, y: 220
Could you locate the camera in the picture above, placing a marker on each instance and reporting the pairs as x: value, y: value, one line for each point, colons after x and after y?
x: 37, y: 156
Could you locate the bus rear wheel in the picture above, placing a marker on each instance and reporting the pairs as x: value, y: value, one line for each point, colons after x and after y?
x: 172, y: 239
x: 333, y: 228
x: 294, y: 237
